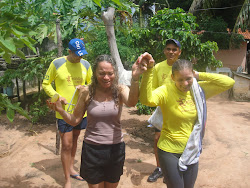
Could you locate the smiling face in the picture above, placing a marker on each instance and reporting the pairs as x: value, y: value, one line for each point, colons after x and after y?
x: 183, y: 79
x: 105, y: 74
x: 172, y: 53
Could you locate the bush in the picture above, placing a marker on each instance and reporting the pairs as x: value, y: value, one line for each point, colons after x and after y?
x: 39, y: 108
x: 143, y: 109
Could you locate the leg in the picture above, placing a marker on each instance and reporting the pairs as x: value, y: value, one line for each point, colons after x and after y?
x: 157, y: 172
x: 169, y: 164
x: 76, y: 134
x: 99, y: 185
x: 110, y: 185
x: 157, y: 136
x: 66, y: 155
x: 190, y: 175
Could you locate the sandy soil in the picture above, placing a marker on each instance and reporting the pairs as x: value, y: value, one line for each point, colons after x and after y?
x: 28, y: 160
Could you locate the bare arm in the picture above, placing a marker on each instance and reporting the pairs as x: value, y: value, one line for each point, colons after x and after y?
x: 130, y: 95
x: 75, y: 118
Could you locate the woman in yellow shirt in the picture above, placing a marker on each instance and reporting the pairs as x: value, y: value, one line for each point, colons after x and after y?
x: 179, y: 109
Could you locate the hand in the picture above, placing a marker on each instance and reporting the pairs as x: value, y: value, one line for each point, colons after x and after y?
x: 196, y: 75
x: 58, y: 105
x: 83, y: 91
x: 143, y: 62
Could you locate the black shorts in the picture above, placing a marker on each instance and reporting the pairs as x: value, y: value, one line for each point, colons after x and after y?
x: 65, y: 127
x: 102, y: 162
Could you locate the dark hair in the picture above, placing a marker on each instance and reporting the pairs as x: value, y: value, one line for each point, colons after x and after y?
x: 114, y: 86
x: 181, y: 64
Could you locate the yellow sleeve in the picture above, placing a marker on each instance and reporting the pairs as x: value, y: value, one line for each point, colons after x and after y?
x: 48, y: 79
x: 155, y: 79
x: 213, y: 84
x: 148, y: 96
x: 89, y: 76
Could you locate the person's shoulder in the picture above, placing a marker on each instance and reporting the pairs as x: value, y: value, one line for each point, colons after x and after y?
x: 59, y: 61
x: 160, y: 64
x: 85, y: 63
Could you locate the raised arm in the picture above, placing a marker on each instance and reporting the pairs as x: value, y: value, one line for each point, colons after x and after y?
x: 213, y: 84
x: 130, y: 95
x: 148, y: 95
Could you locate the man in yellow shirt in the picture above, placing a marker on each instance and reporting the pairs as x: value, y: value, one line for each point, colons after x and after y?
x: 68, y: 72
x: 162, y: 75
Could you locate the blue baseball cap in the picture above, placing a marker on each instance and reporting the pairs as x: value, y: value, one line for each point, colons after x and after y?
x: 77, y: 46
x: 176, y: 42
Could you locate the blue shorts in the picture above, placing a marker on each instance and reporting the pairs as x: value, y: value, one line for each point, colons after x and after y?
x: 65, y: 127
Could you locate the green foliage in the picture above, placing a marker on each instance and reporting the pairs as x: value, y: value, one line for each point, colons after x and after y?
x: 5, y: 104
x: 32, y: 68
x: 39, y: 108
x: 216, y: 30
x: 100, y: 45
x: 15, y: 31
x: 6, y: 79
x: 175, y: 23
x: 143, y: 109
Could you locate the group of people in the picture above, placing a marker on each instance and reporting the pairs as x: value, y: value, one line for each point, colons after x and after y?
x: 172, y: 85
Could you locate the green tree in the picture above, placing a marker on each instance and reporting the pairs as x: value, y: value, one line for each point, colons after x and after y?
x: 175, y: 23
x: 15, y: 31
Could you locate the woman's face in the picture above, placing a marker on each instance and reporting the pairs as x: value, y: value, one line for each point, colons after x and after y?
x: 183, y: 79
x: 105, y: 74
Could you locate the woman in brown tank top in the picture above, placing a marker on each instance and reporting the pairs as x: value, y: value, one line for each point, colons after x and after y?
x: 103, y: 151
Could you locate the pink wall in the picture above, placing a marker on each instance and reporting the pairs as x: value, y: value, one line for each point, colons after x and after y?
x: 233, y: 58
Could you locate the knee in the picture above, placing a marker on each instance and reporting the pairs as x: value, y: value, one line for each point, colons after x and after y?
x: 67, y: 146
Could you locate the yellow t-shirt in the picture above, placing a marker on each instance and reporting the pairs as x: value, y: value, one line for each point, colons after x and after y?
x: 162, y: 74
x: 179, y: 107
x: 66, y: 76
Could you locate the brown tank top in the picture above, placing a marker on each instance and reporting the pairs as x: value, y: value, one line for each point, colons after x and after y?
x: 104, y: 125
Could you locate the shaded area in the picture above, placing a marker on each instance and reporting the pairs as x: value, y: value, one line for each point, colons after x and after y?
x: 137, y: 170
x: 139, y: 129
x: 21, y: 182
x: 52, y: 168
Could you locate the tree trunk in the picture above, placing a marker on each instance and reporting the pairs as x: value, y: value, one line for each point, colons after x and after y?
x: 108, y: 19
x: 195, y: 5
x: 59, y: 38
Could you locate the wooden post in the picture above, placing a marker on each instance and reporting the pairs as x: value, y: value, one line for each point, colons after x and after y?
x: 57, y: 140
x: 59, y: 54
x: 17, y: 90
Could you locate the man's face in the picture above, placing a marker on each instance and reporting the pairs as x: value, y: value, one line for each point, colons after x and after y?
x: 172, y: 52
x: 74, y: 57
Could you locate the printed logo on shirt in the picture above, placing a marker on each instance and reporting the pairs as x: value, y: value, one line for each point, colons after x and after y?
x: 164, y: 76
x: 75, y: 80
x: 46, y: 77
x: 186, y: 105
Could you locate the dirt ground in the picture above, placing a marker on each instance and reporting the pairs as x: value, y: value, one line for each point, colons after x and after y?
x: 28, y: 160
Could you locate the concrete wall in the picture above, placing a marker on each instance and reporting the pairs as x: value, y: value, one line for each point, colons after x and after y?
x: 233, y: 58
x: 241, y: 88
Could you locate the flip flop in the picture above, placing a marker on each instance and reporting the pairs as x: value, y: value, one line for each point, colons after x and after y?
x: 76, y: 176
